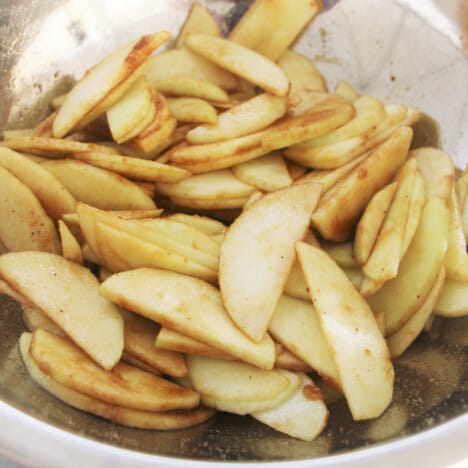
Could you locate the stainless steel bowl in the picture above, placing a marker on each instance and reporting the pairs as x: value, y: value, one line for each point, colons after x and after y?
x: 408, y: 51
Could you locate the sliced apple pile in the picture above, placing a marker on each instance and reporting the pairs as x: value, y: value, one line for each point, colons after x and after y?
x: 124, y: 244
x: 228, y: 222
x: 107, y: 82
x: 198, y: 313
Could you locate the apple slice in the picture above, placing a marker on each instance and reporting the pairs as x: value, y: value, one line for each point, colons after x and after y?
x: 124, y: 385
x: 335, y: 155
x: 191, y: 87
x: 370, y: 112
x: 317, y: 121
x: 267, y: 173
x: 456, y: 258
x: 135, y: 168
x: 302, y: 73
x: 289, y: 361
x: 71, y: 248
x: 128, y: 112
x: 219, y: 155
x: 182, y: 62
x: 134, y: 252
x: 258, y: 252
x: 453, y: 300
x: 157, y: 133
x: 418, y: 200
x: 361, y: 354
x: 139, y: 336
x: 52, y: 195
x: 400, y: 297
x: 52, y: 147
x: 166, y: 420
x: 239, y: 387
x: 204, y: 224
x: 271, y: 26
x: 193, y: 110
x: 387, y: 252
x: 296, y: 326
x: 98, y: 82
x: 197, y: 313
x: 346, y: 90
x: 175, y: 341
x: 303, y: 415
x: 212, y: 185
x: 98, y: 187
x: 241, y: 61
x: 341, y: 206
x: 400, y: 340
x: 69, y: 294
x: 371, y: 221
x: 198, y: 20
x: 25, y: 224
x: 248, y: 117
x: 437, y: 169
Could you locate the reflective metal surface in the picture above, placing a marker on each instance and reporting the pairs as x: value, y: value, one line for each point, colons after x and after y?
x: 408, y: 51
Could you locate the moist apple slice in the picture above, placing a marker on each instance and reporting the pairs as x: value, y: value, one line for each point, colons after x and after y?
x: 241, y: 61
x: 112, y: 73
x: 387, y: 252
x: 267, y: 173
x: 296, y: 326
x: 400, y: 340
x: 193, y: 110
x: 248, y: 117
x: 98, y: 187
x: 52, y: 195
x: 124, y: 385
x: 71, y: 248
x: 270, y: 26
x: 69, y: 294
x: 239, y: 387
x: 198, y: 20
x: 24, y: 223
x: 361, y: 354
x: 183, y: 62
x: 174, y: 341
x: 139, y: 336
x: 189, y: 306
x: 453, y: 300
x: 371, y: 221
x: 400, y: 297
x: 341, y: 206
x: 258, y: 252
x: 303, y: 415
x: 135, y: 168
x: 165, y: 420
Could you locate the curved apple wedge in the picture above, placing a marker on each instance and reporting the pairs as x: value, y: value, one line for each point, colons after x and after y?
x: 361, y: 354
x: 303, y: 415
x: 124, y: 385
x: 197, y: 313
x: 400, y: 297
x: 108, y: 76
x: 258, y: 252
x: 52, y: 195
x: 25, y: 224
x: 165, y: 420
x: 69, y: 294
x: 241, y: 61
x: 238, y: 387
